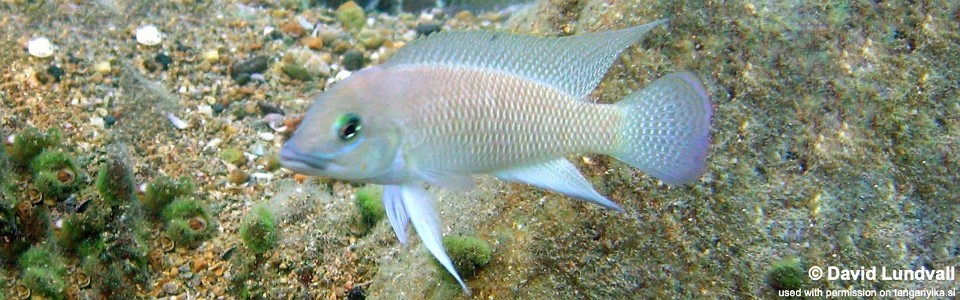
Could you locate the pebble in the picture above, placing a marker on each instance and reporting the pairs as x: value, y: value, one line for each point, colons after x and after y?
x: 370, y: 39
x: 256, y: 64
x: 351, y: 15
x: 293, y: 28
x: 266, y: 136
x: 426, y: 28
x: 102, y: 67
x: 177, y: 122
x: 212, y: 55
x: 40, y: 47
x: 56, y: 72
x: 164, y: 60
x: 171, y: 288
x: 149, y: 35
x: 353, y: 60
x: 297, y: 72
x: 312, y: 42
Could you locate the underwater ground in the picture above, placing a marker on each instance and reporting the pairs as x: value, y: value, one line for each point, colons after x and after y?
x: 834, y: 143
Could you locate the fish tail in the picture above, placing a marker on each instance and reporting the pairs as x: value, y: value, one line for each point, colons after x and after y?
x: 666, y: 128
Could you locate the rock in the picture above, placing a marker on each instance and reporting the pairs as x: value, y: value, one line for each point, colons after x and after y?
x: 297, y: 72
x: 426, y: 28
x: 40, y: 47
x: 171, y: 288
x: 164, y: 60
x: 254, y: 65
x: 353, y: 60
x: 149, y: 35
x: 351, y: 15
x: 370, y: 38
x: 312, y: 42
x: 55, y: 72
x: 293, y: 28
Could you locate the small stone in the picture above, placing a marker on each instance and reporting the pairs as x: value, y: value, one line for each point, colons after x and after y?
x: 297, y: 72
x: 242, y: 79
x: 465, y: 16
x: 425, y: 29
x: 149, y: 35
x: 266, y: 136
x: 56, y: 72
x: 171, y: 288
x: 102, y: 67
x: 293, y: 28
x: 353, y: 60
x: 351, y: 15
x: 40, y: 47
x: 370, y: 39
x: 212, y: 55
x: 313, y: 42
x: 237, y: 177
x: 257, y: 64
x: 164, y: 60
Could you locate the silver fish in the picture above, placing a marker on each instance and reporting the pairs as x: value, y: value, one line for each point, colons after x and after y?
x: 455, y: 104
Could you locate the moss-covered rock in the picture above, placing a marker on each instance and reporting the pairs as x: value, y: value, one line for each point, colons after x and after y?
x: 786, y: 274
x: 164, y: 190
x: 259, y: 230
x: 42, y: 271
x: 468, y: 254
x: 188, y: 222
x: 370, y: 204
x: 55, y: 173
x: 115, y: 183
x: 30, y: 142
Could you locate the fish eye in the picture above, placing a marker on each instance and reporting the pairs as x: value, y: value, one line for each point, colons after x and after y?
x: 348, y: 126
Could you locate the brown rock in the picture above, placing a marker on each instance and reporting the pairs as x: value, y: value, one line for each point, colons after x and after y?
x: 313, y: 42
x: 293, y: 28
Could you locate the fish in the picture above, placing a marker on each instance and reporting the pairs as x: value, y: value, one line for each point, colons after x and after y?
x: 454, y: 105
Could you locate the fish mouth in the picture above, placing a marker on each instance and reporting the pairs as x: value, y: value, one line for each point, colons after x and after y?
x: 292, y: 158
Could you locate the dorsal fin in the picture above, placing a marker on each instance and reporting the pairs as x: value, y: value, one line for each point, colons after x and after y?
x: 574, y: 64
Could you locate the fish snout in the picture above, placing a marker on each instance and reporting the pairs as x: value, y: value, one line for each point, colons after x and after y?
x: 295, y: 159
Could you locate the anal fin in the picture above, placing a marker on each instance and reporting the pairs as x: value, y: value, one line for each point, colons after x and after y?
x: 560, y: 176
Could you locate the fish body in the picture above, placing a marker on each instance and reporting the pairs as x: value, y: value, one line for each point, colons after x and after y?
x: 453, y: 105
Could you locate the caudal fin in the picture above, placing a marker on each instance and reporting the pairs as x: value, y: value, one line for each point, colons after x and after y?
x: 667, y: 128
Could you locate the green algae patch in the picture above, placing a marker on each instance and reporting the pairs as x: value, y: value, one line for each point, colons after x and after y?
x: 259, y: 230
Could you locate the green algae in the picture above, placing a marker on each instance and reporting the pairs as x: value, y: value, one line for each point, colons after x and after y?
x: 369, y: 201
x: 187, y: 222
x: 29, y: 142
x: 259, y: 230
x: 162, y: 191
x: 468, y: 254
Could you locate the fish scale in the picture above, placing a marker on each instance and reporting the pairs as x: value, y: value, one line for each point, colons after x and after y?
x: 464, y: 129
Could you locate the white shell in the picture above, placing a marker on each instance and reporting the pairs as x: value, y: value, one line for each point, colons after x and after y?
x: 177, y: 122
x: 40, y: 47
x: 149, y: 35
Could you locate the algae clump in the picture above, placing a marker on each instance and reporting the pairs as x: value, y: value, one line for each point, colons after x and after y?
x: 164, y: 190
x: 188, y: 222
x: 368, y: 201
x: 468, y: 254
x: 259, y: 230
x: 42, y: 271
x: 55, y: 173
x: 351, y: 15
x: 786, y: 274
x: 30, y: 142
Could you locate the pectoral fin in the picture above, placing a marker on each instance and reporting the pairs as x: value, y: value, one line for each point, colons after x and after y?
x: 560, y: 176
x: 412, y: 201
